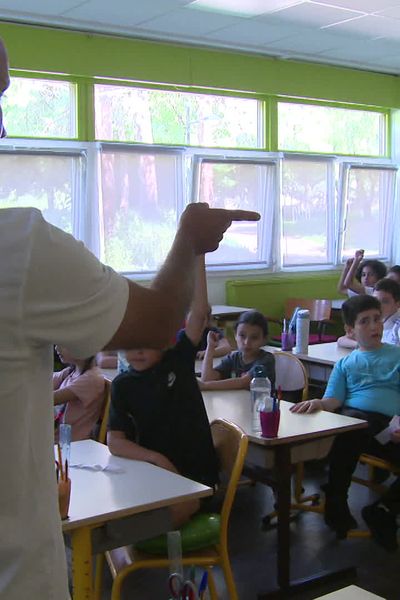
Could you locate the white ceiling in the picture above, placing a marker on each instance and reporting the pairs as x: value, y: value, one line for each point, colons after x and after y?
x: 358, y: 33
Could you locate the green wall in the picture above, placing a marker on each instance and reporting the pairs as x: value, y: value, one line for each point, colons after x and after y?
x: 268, y: 294
x: 91, y: 55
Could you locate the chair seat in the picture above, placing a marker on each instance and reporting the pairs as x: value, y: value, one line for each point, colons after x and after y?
x: 201, y: 531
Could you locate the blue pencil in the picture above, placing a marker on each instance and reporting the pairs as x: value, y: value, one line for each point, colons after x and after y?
x: 203, y: 584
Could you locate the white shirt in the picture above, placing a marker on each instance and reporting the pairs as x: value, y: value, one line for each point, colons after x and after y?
x: 369, y: 291
x: 391, y: 329
x: 52, y: 290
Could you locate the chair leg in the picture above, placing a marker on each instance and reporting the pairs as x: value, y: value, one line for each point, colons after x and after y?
x: 98, y: 579
x: 228, y: 574
x: 211, y: 585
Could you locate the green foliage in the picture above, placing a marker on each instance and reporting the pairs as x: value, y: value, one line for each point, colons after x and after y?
x: 39, y: 108
x: 138, y: 245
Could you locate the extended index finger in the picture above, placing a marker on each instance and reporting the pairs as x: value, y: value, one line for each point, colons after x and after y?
x: 243, y: 215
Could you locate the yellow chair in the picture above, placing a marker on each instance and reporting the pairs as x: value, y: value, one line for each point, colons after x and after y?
x: 373, y: 462
x: 102, y: 434
x: 231, y: 447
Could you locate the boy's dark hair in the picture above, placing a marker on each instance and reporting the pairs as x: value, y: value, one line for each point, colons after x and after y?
x: 253, y: 317
x: 378, y: 267
x: 395, y: 269
x: 356, y: 305
x: 390, y: 286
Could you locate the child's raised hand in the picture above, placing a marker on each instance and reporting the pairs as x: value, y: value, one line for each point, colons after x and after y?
x: 359, y: 255
x: 212, y: 340
x: 349, y: 262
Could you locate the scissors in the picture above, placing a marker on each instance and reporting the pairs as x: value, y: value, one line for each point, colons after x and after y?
x: 182, y: 589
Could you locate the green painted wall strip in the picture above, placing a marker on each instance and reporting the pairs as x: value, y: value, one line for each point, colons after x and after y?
x: 89, y: 55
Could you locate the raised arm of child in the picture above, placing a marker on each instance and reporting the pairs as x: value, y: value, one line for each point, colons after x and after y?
x: 197, y: 317
x: 341, y: 288
x: 350, y: 281
x: 207, y: 371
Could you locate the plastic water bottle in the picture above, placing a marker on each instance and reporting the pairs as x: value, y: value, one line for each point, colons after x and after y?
x: 260, y: 392
x: 302, y: 331
x: 122, y: 363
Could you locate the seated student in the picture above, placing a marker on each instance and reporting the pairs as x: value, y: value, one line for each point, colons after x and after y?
x: 157, y: 412
x: 359, y: 276
x: 388, y: 293
x: 107, y: 360
x: 237, y: 370
x: 394, y: 273
x: 365, y: 384
x: 78, y: 394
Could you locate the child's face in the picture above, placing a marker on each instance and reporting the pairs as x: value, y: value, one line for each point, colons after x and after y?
x: 143, y: 359
x: 65, y: 356
x: 368, y: 277
x: 368, y: 329
x: 249, y: 339
x: 388, y: 303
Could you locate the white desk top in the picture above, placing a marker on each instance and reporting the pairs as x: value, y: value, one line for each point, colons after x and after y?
x: 235, y: 406
x: 221, y: 310
x: 352, y: 592
x: 324, y: 354
x: 98, y: 496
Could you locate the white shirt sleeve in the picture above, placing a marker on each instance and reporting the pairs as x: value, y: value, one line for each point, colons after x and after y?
x: 70, y: 298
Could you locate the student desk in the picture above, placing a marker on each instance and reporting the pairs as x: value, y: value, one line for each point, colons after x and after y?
x: 109, y: 509
x: 301, y: 437
x: 319, y: 360
x: 351, y: 592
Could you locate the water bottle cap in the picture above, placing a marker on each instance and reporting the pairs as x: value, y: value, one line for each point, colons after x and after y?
x: 304, y: 313
x: 259, y: 371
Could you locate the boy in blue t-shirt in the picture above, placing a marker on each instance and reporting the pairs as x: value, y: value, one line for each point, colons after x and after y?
x: 365, y: 384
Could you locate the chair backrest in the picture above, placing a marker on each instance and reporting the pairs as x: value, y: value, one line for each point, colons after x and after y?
x: 101, y: 437
x: 320, y: 310
x: 231, y: 447
x: 290, y: 373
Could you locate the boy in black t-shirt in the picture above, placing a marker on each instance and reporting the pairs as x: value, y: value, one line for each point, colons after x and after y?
x: 157, y: 412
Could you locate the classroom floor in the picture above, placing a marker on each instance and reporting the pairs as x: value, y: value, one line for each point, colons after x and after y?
x: 314, y: 548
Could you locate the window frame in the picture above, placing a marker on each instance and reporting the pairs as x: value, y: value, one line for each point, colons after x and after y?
x: 340, y: 105
x: 344, y: 172
x: 268, y: 226
x: 330, y: 161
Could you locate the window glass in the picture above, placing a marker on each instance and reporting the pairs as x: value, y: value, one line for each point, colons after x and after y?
x: 39, y: 108
x: 311, y: 128
x: 125, y: 113
x: 240, y: 185
x: 305, y: 210
x: 49, y: 183
x: 368, y: 201
x: 140, y: 205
